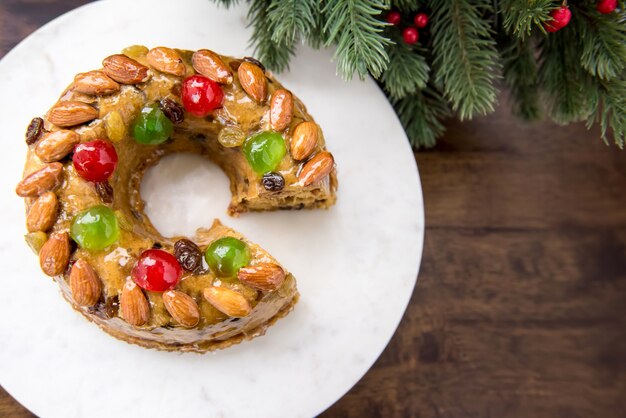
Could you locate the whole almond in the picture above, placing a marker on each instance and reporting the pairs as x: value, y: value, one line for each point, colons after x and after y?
x: 182, y: 307
x: 85, y: 284
x: 71, y: 113
x: 253, y: 81
x: 54, y: 256
x: 166, y: 60
x: 304, y: 140
x: 316, y: 168
x: 265, y: 276
x: 281, y: 110
x: 227, y: 301
x: 43, y: 180
x: 125, y: 70
x: 134, y: 306
x: 210, y: 65
x: 54, y: 146
x: 43, y: 213
x: 95, y: 82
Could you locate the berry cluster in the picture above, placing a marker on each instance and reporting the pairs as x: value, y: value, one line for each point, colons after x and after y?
x: 562, y: 15
x: 410, y: 34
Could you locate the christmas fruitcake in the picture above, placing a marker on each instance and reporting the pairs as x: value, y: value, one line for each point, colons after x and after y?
x: 85, y: 216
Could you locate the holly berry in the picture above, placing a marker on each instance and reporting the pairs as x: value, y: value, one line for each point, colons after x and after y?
x: 157, y: 271
x: 225, y: 256
x: 421, y: 20
x: 560, y: 19
x: 95, y: 160
x: 410, y: 35
x: 264, y: 151
x: 606, y: 6
x: 95, y: 228
x: 393, y: 17
x: 201, y: 95
x: 152, y: 127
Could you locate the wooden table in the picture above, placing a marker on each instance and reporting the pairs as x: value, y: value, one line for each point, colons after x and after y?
x: 520, y: 306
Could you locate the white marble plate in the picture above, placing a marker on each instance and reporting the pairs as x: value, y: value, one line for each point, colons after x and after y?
x: 356, y: 264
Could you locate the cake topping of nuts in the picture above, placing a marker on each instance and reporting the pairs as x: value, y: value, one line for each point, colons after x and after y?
x: 134, y: 306
x: 264, y: 276
x: 182, y: 307
x: 54, y: 146
x: 45, y: 179
x: 125, y: 70
x: 253, y: 81
x: 95, y: 82
x: 281, y: 110
x: 85, y: 284
x: 316, y: 168
x: 209, y: 64
x: 54, y: 256
x: 227, y: 301
x: 71, y: 113
x: 304, y: 140
x: 166, y: 60
x: 43, y: 213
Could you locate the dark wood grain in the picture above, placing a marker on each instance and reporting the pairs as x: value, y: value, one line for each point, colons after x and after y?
x: 520, y: 306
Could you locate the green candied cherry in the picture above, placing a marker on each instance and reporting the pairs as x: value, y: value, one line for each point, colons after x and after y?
x: 95, y: 228
x: 152, y: 127
x: 225, y: 256
x: 264, y: 151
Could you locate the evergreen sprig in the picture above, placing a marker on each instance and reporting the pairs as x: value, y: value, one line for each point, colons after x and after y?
x: 575, y: 74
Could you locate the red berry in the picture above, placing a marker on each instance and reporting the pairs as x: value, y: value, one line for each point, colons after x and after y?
x: 157, y: 271
x: 560, y: 19
x: 95, y: 160
x: 201, y: 95
x: 606, y: 6
x: 410, y: 35
x: 421, y: 20
x: 393, y: 17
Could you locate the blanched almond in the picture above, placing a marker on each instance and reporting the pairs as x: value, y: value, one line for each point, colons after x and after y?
x: 210, y: 65
x: 182, y: 307
x: 71, y: 113
x: 85, y: 284
x: 54, y: 256
x: 265, y: 276
x: 45, y: 179
x: 54, y: 146
x: 227, y: 301
x: 95, y: 82
x: 303, y: 140
x: 166, y: 60
x: 316, y: 168
x: 125, y: 70
x: 281, y: 110
x: 253, y: 81
x: 43, y: 213
x: 134, y: 307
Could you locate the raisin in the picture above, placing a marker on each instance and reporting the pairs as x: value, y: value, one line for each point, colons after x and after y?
x: 188, y: 255
x: 255, y: 62
x: 273, y: 182
x: 172, y: 110
x: 34, y: 130
x: 105, y: 191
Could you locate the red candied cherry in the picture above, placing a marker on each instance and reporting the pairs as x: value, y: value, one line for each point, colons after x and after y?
x: 410, y: 35
x: 606, y: 6
x: 393, y: 17
x: 95, y: 160
x: 157, y: 271
x: 421, y: 20
x: 560, y: 19
x: 201, y: 95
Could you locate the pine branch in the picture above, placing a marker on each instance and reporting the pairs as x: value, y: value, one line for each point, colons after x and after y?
x: 291, y: 19
x: 603, y: 43
x: 227, y: 3
x: 465, y: 57
x: 274, y: 55
x: 611, y: 111
x: 520, y: 17
x: 355, y: 27
x: 570, y: 91
x: 421, y: 114
x: 406, y: 6
x: 408, y: 73
x: 520, y: 75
